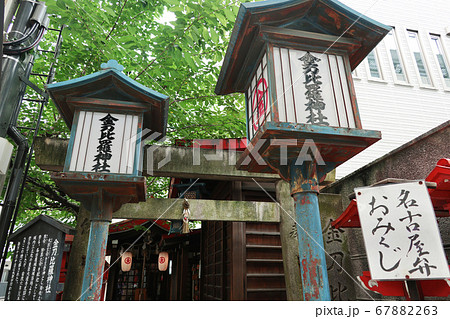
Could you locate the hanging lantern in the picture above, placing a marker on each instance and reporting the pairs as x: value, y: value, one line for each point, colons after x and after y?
x: 163, y: 260
x: 127, y: 259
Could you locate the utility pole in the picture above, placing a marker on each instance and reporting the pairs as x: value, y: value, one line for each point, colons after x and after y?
x: 2, y: 6
x: 30, y: 23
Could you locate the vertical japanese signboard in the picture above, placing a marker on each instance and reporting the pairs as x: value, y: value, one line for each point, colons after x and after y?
x: 400, y: 232
x: 37, y: 260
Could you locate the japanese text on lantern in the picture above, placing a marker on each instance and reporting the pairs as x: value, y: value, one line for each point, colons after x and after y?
x: 104, y: 152
x: 315, y: 104
x: 400, y: 232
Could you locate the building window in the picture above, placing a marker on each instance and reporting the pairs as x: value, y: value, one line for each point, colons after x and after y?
x: 373, y: 66
x: 438, y: 51
x: 396, y: 60
x: 421, y: 67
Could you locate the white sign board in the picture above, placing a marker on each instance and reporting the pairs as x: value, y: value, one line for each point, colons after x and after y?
x: 104, y: 143
x: 400, y: 232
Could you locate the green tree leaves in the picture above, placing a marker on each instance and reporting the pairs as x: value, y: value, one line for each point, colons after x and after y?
x: 180, y: 58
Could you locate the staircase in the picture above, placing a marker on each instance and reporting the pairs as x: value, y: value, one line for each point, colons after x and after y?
x: 265, y: 274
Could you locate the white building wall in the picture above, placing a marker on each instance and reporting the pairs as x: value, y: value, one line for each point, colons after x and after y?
x: 401, y: 112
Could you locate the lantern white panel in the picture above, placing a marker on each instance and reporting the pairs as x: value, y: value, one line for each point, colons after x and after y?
x: 338, y: 92
x: 280, y: 98
x: 127, y: 145
x: 295, y: 95
x: 258, y: 108
x: 250, y: 112
x: 76, y: 144
x: 260, y: 87
x: 104, y: 143
x: 329, y: 91
x: 288, y: 84
x: 82, y: 136
x: 346, y: 91
x: 131, y: 144
x: 267, y: 116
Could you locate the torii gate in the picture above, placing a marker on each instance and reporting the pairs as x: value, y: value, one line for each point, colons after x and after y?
x: 210, y: 164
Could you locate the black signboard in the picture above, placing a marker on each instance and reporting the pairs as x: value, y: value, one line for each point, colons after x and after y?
x: 37, y: 259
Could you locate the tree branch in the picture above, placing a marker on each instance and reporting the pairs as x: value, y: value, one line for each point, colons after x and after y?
x: 53, y: 194
x: 43, y: 207
x: 117, y: 20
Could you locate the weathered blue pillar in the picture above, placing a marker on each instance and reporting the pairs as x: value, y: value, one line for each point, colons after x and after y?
x: 95, y: 261
x: 101, y: 216
x: 305, y: 190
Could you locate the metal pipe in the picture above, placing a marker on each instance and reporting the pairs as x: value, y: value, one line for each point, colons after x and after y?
x: 2, y: 8
x: 13, y: 188
x: 25, y: 37
x: 11, y: 95
x: 10, y: 7
x: 12, y: 69
x: 22, y: 90
x: 14, y: 119
x: 35, y: 42
x: 16, y: 177
x: 304, y: 190
x: 19, y: 197
x: 22, y: 19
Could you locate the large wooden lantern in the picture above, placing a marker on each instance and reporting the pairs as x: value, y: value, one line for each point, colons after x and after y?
x: 293, y: 60
x: 108, y: 113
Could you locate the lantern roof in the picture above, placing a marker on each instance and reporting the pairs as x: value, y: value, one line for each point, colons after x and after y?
x: 110, y: 88
x: 287, y: 22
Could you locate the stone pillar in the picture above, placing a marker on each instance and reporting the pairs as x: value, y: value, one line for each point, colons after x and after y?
x: 77, y: 260
x: 289, y: 242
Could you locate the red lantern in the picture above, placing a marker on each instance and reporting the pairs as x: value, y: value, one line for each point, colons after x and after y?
x: 163, y: 260
x: 127, y: 259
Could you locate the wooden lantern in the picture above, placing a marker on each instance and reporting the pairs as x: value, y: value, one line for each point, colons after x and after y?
x: 108, y: 113
x: 127, y: 260
x: 163, y: 260
x: 293, y: 60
